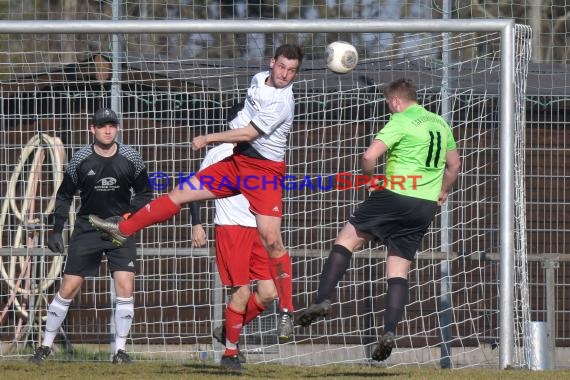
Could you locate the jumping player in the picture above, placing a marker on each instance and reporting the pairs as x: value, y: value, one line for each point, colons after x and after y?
x: 421, y: 147
x: 260, y: 130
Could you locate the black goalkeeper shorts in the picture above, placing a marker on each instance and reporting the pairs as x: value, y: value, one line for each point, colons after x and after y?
x: 398, y: 221
x: 86, y: 249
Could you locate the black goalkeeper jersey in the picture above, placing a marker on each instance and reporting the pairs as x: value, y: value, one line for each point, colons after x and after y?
x: 108, y: 186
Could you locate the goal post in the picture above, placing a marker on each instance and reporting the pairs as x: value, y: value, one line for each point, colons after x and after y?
x: 214, y: 87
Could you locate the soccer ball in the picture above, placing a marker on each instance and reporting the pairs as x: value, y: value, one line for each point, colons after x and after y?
x: 341, y: 57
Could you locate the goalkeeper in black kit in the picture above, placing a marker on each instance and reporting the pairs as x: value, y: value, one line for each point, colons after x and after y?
x: 112, y: 180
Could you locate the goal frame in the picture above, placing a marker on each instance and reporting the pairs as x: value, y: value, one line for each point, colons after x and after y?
x: 505, y: 27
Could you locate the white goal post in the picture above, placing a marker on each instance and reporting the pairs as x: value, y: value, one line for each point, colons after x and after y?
x: 501, y: 96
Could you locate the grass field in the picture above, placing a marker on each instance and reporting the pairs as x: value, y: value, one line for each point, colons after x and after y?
x: 208, y: 370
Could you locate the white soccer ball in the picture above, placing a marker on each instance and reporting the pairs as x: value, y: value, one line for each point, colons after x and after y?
x: 341, y: 57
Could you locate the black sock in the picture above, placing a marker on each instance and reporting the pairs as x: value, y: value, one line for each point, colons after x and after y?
x: 333, y: 270
x: 396, y: 300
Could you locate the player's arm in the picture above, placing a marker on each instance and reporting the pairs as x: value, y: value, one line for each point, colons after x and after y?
x: 368, y: 164
x: 452, y: 167
x: 198, y: 233
x: 247, y: 133
x: 63, y: 199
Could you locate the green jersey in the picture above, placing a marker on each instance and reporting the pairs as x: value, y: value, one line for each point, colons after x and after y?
x: 417, y: 141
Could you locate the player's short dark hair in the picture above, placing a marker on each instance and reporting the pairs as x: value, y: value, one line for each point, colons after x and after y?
x: 403, y: 88
x: 289, y: 51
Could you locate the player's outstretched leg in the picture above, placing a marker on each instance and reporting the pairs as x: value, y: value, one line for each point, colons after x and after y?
x: 40, y: 354
x: 109, y: 228
x: 158, y: 210
x: 314, y: 312
x: 219, y: 334
x: 384, y: 347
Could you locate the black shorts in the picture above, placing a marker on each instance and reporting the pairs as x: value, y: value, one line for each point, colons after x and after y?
x: 86, y: 248
x: 398, y: 221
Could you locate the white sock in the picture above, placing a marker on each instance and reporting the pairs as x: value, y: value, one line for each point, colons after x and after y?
x: 57, y: 311
x: 124, y: 314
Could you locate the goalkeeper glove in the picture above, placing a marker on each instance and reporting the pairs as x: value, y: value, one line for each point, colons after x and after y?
x: 55, y: 242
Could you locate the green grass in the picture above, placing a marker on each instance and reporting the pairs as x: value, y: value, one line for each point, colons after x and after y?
x: 209, y: 370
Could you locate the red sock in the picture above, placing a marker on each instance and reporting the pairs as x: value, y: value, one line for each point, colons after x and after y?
x: 282, y: 274
x: 253, y: 309
x: 156, y: 211
x: 234, y: 323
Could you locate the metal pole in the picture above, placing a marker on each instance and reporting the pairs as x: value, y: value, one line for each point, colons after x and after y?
x: 116, y: 106
x: 116, y: 64
x: 536, y: 23
x: 219, y: 303
x: 506, y: 183
x: 549, y: 268
x: 251, y: 26
x: 445, y: 315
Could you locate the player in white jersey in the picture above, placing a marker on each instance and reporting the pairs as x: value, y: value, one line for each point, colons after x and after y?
x: 270, y: 110
x: 241, y: 258
x: 255, y: 170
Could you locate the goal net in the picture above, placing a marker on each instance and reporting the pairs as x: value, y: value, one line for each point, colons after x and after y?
x: 51, y: 84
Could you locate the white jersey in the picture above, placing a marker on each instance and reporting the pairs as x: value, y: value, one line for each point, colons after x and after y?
x: 232, y: 210
x: 271, y: 111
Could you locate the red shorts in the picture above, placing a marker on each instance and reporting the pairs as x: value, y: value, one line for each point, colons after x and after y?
x: 257, y: 179
x: 240, y: 255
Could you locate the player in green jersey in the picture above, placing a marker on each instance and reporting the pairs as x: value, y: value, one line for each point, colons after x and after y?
x: 422, y: 165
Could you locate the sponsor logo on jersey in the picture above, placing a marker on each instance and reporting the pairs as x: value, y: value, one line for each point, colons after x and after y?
x: 107, y: 184
x: 91, y: 172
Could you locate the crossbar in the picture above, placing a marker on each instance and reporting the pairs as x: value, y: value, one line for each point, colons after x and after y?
x: 251, y: 26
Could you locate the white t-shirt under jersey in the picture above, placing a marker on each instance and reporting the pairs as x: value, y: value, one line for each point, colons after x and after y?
x: 271, y: 110
x: 232, y: 210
